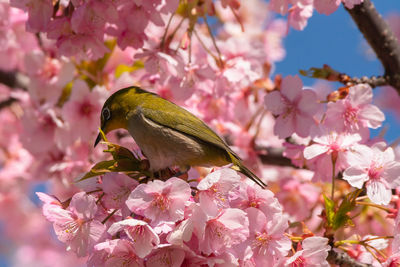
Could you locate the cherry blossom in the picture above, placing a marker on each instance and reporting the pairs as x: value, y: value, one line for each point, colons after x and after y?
x: 377, y: 168
x: 166, y: 255
x: 332, y: 147
x: 142, y: 236
x: 120, y: 253
x: 160, y: 202
x: 355, y: 111
x: 219, y: 231
x: 267, y: 240
x: 217, y: 188
x: 76, y: 225
x: 117, y: 188
x: 83, y: 110
x: 300, y: 13
x: 313, y: 253
x: 294, y: 106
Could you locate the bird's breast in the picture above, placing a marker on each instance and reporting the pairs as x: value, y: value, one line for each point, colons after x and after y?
x: 165, y: 147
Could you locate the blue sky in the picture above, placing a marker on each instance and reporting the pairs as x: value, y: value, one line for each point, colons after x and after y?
x: 336, y: 41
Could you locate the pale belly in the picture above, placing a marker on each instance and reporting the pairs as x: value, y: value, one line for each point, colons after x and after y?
x: 165, y: 147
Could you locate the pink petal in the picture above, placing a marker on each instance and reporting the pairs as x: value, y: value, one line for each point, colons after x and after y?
x: 291, y: 87
x: 356, y: 176
x: 284, y: 126
x: 378, y: 192
x: 83, y: 205
x: 392, y: 174
x: 303, y: 125
x: 257, y: 220
x: 275, y: 103
x: 314, y: 150
x: 360, y: 155
x: 326, y: 7
x: 372, y: 115
x: 360, y: 94
x: 308, y: 102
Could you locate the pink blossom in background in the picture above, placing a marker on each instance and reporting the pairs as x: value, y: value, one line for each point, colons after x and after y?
x: 300, y: 13
x: 83, y: 110
x: 48, y: 76
x: 40, y: 12
x: 355, y: 113
x: 39, y: 127
x: 297, y: 198
x: 92, y: 16
x: 388, y: 99
x: 313, y: 253
x: 326, y: 7
x: 76, y: 225
x: 377, y: 168
x: 293, y: 106
x: 14, y: 40
x: 280, y: 6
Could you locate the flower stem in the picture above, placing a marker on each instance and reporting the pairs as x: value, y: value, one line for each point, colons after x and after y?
x: 373, y: 205
x: 333, y: 176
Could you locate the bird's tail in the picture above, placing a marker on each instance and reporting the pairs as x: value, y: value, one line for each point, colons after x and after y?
x: 239, y: 166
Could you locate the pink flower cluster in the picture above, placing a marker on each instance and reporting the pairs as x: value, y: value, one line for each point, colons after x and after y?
x: 85, y: 50
x: 80, y: 27
x: 224, y: 221
x: 300, y: 11
x: 339, y: 137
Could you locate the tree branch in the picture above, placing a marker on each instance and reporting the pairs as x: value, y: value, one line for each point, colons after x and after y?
x: 7, y: 102
x: 372, y: 81
x: 14, y: 79
x: 344, y: 260
x: 274, y: 157
x: 380, y: 37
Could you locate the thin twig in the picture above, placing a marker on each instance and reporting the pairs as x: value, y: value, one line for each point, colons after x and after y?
x: 14, y: 79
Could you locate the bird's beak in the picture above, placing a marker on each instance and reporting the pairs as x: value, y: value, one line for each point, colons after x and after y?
x: 98, y: 139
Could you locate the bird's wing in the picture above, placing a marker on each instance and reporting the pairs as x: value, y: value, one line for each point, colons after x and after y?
x: 172, y: 116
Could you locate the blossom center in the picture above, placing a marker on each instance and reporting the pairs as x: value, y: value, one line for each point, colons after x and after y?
x: 299, y: 262
x: 262, y: 239
x: 218, y: 230
x: 375, y: 171
x: 86, y: 109
x: 136, y: 232
x: 350, y: 116
x: 161, y: 201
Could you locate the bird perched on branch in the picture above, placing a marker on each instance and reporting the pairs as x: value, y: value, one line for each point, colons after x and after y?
x: 167, y: 134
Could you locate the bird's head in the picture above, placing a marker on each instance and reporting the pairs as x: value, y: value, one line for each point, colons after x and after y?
x: 114, y: 111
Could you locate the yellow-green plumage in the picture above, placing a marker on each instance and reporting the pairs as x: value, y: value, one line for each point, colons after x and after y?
x: 167, y: 134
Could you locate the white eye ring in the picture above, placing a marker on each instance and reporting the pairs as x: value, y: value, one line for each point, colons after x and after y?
x: 106, y: 113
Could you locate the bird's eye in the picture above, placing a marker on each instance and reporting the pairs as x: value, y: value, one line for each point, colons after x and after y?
x: 106, y: 113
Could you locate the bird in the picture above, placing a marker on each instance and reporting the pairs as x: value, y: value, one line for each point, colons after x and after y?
x: 167, y: 134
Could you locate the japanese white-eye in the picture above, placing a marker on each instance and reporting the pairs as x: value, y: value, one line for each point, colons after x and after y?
x: 167, y: 134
